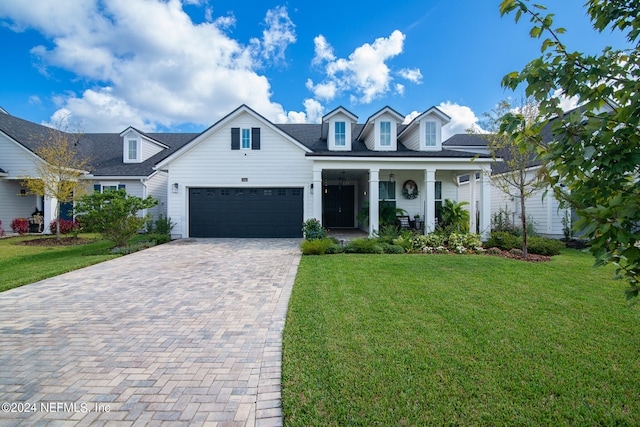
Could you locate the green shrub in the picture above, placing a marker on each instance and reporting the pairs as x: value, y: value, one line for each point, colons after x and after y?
x: 391, y: 249
x: 364, y: 246
x: 334, y: 248
x: 503, y: 240
x: 544, y: 246
x: 388, y: 233
x: 312, y: 229
x: 516, y: 251
x: 159, y: 238
x: 316, y: 247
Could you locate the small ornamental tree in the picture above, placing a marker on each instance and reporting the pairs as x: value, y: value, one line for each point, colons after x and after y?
x: 114, y: 214
x: 513, y: 165
x: 60, y: 171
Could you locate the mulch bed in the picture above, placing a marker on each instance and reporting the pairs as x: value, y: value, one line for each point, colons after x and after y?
x: 52, y: 241
x: 530, y: 257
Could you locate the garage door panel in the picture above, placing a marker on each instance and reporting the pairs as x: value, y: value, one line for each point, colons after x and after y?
x: 245, y: 212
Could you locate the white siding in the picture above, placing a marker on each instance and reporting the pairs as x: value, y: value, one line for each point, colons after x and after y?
x: 411, y: 139
x: 157, y: 187
x: 16, y: 160
x: 14, y: 206
x: 212, y: 163
x: 543, y: 209
x: 148, y: 149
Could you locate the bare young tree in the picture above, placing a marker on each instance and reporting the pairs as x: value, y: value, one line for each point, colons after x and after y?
x: 58, y: 174
x: 516, y: 172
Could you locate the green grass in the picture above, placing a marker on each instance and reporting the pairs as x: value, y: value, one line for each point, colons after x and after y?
x: 459, y: 340
x: 20, y: 265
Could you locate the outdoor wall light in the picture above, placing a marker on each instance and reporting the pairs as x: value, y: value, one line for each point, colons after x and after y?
x: 174, y: 187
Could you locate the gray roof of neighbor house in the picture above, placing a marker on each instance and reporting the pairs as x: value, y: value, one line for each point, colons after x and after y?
x: 103, y: 150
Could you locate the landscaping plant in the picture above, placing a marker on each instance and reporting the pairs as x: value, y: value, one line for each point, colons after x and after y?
x: 20, y: 226
x: 114, y: 214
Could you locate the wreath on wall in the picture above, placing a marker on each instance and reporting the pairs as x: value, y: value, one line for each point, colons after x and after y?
x: 410, y: 189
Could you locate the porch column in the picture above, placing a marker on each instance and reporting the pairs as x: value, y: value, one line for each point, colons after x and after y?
x: 472, y: 202
x: 374, y: 204
x: 317, y: 194
x: 485, y: 204
x: 50, y: 206
x: 429, y: 200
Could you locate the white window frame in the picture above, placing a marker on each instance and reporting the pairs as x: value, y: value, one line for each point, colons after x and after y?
x: 340, y: 134
x: 243, y: 139
x: 430, y: 134
x: 385, y: 137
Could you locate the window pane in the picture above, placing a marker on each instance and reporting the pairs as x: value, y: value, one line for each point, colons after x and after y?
x: 385, y: 134
x: 246, y: 138
x: 133, y: 149
x: 438, y: 190
x: 340, y: 133
x: 387, y: 190
x: 431, y: 134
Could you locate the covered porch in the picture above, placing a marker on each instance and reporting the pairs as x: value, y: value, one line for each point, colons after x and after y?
x: 16, y: 202
x: 359, y: 195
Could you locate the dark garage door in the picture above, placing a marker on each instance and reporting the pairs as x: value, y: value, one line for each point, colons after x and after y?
x: 245, y: 212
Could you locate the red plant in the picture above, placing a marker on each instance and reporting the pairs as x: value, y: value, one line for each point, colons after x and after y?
x: 66, y: 226
x: 20, y: 226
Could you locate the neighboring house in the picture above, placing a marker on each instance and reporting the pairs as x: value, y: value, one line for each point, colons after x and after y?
x: 248, y: 177
x: 542, y: 207
x: 116, y: 161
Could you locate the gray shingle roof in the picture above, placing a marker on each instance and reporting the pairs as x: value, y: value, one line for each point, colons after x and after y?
x: 104, y: 150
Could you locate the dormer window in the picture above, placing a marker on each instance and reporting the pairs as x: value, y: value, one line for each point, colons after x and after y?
x: 341, y: 134
x: 132, y: 149
x: 431, y: 134
x: 385, y: 134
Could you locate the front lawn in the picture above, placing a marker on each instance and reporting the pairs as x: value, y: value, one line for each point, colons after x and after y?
x: 20, y: 265
x: 459, y: 340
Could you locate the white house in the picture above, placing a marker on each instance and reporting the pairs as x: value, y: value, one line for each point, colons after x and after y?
x: 248, y: 177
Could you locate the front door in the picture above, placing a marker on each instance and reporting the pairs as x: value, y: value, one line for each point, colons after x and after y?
x: 338, y: 206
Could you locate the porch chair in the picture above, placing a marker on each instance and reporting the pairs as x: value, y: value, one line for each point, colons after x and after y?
x: 404, y: 222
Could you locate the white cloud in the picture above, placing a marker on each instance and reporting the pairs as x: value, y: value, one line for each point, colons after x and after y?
x: 412, y: 74
x: 364, y: 72
x: 462, y: 119
x: 313, y: 113
x: 410, y: 117
x: 399, y: 89
x: 323, y: 50
x: 566, y: 102
x: 165, y: 74
x: 279, y: 33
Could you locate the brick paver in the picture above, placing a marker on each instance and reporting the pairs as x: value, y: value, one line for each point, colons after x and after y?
x: 187, y: 333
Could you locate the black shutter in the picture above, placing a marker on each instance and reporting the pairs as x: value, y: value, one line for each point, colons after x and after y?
x: 235, y: 138
x: 96, y: 188
x: 121, y: 186
x: 255, y: 138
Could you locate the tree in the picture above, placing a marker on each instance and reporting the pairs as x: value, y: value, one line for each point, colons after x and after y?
x: 595, y: 150
x: 514, y: 176
x: 58, y: 174
x: 114, y: 214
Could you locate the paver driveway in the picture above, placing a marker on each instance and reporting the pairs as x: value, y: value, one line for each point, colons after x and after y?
x: 184, y: 333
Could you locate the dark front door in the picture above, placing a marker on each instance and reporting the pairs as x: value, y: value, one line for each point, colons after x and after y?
x: 245, y: 212
x: 338, y: 206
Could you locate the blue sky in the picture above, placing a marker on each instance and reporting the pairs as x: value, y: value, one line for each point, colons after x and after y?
x: 181, y: 65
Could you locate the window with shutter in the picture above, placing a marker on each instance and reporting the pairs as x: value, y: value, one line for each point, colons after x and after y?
x: 255, y: 138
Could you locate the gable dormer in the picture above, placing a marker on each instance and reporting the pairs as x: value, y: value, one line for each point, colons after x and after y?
x: 138, y: 147
x: 424, y: 133
x: 337, y: 127
x: 380, y: 132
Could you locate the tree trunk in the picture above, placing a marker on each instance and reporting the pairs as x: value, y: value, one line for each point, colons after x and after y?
x: 58, y: 220
x: 525, y: 253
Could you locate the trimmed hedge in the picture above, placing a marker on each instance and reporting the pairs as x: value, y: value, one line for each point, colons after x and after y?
x: 535, y: 245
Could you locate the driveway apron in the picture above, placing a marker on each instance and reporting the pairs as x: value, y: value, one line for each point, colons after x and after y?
x: 187, y: 333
